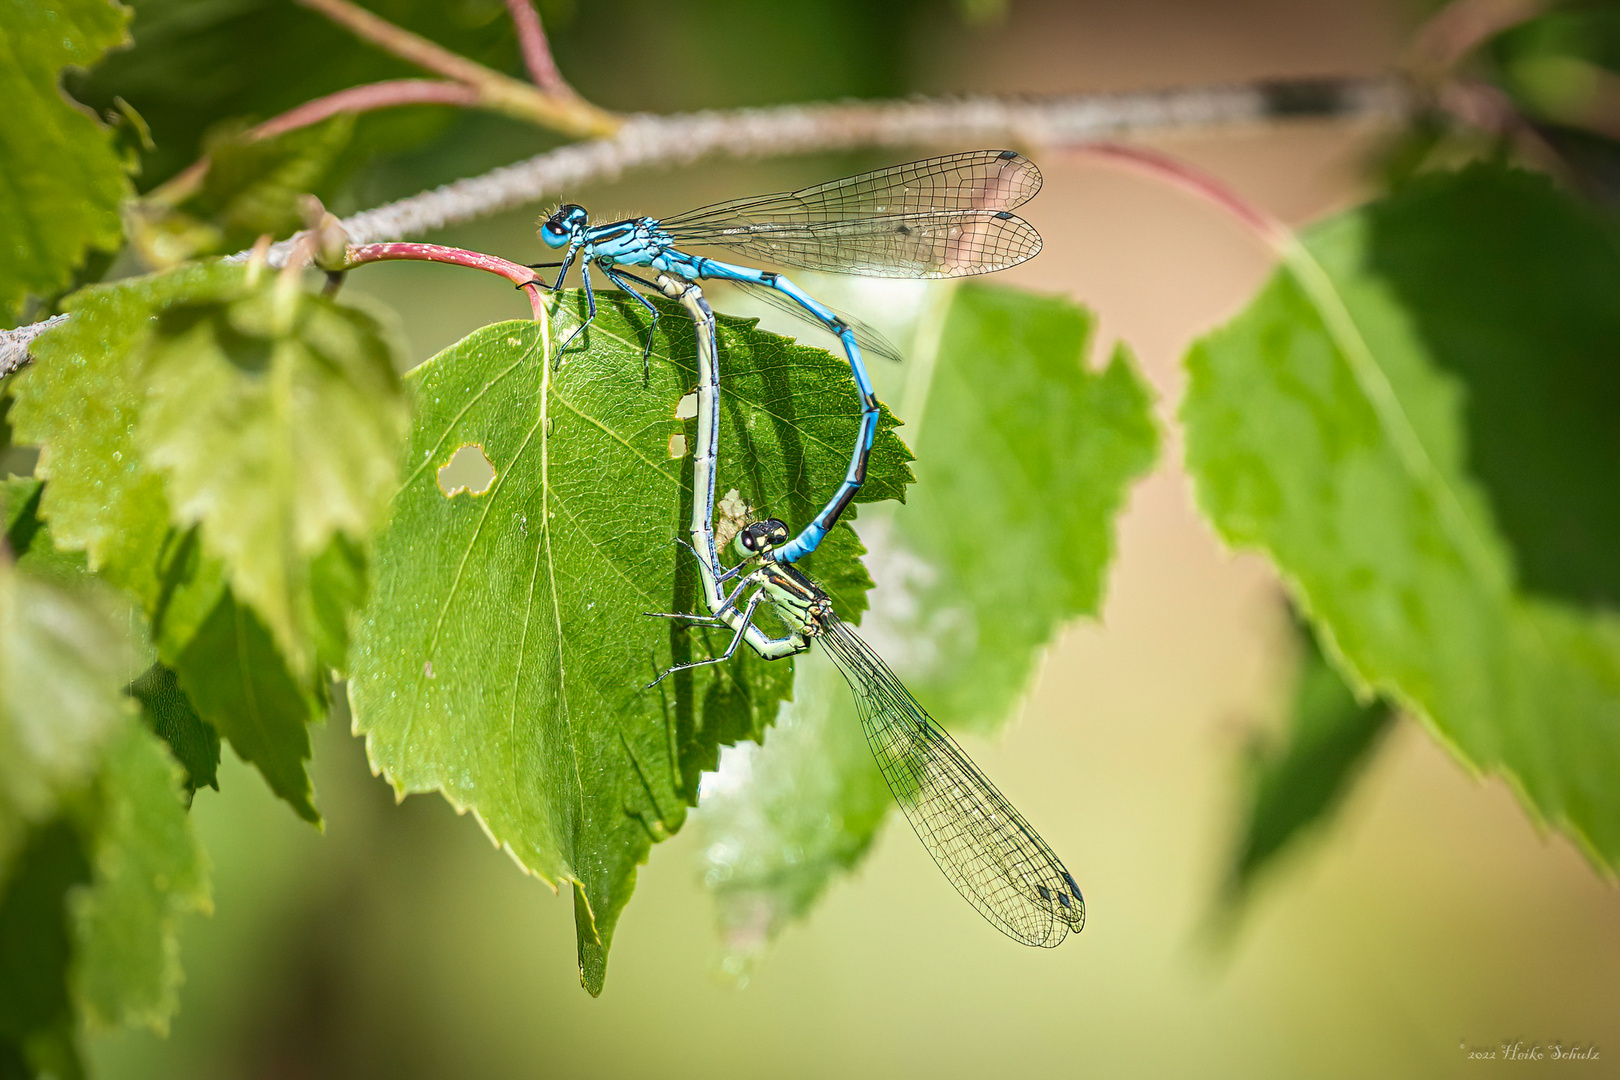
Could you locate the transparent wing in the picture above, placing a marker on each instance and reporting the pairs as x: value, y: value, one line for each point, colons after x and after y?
x: 870, y: 341
x: 943, y: 217
x: 989, y: 852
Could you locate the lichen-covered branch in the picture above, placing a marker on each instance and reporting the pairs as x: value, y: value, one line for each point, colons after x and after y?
x: 1034, y: 123
x: 14, y: 343
x: 666, y: 142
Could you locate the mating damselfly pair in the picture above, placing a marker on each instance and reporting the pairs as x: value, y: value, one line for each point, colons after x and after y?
x: 943, y: 217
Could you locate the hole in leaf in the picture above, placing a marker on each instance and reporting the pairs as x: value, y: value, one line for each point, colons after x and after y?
x: 734, y: 514
x: 686, y: 408
x: 467, y: 470
x: 677, y: 445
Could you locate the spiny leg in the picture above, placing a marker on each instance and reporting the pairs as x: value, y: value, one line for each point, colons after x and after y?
x: 690, y: 548
x: 618, y: 278
x: 567, y: 261
x: 742, y: 627
x: 720, y: 573
x: 539, y: 282
x: 590, y: 305
x: 689, y: 616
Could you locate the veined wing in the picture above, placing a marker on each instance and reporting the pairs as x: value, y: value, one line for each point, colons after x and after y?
x: 866, y: 337
x: 931, y: 244
x: 943, y: 217
x: 989, y: 852
x: 975, y: 180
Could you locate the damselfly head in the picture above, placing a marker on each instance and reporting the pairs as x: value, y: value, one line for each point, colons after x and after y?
x: 560, y: 227
x: 761, y: 536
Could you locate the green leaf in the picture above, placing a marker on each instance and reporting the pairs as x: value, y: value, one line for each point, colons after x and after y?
x: 193, y: 741
x: 1328, y: 427
x: 19, y: 514
x: 252, y: 187
x: 38, y: 1032
x: 148, y: 870
x: 313, y: 479
x: 275, y: 420
x: 505, y: 654
x: 233, y: 674
x: 62, y: 176
x: 1025, y: 458
x: 66, y: 652
x: 81, y: 400
x: 783, y: 820
x: 1554, y: 64
x: 92, y: 799
x: 1294, y: 786
x: 338, y: 591
x: 229, y: 669
x: 29, y: 538
x: 1510, y: 286
x: 88, y: 914
x: 14, y: 460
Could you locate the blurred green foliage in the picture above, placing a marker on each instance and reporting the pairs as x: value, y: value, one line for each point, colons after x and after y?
x: 62, y: 176
x: 210, y: 441
x: 99, y: 859
x: 1328, y: 427
x: 198, y: 66
x: 1560, y: 68
x: 1296, y: 782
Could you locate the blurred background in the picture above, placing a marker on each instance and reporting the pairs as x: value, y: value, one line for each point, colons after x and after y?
x: 1432, y: 917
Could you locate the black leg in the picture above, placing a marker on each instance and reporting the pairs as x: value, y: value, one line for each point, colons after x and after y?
x: 689, y: 616
x: 618, y: 278
x: 690, y: 548
x: 538, y: 281
x: 643, y: 282
x: 725, y: 574
x: 567, y: 261
x: 742, y: 627
x: 590, y: 306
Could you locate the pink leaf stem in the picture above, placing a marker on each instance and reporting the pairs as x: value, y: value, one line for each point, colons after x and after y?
x: 1195, y: 181
x: 537, y: 56
x: 516, y: 273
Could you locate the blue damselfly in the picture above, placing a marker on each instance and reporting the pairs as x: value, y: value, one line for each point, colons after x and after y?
x: 943, y: 217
